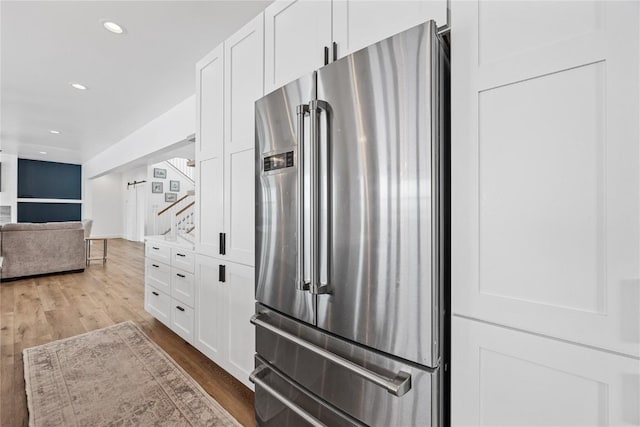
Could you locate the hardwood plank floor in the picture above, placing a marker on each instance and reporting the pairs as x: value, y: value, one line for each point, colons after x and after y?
x: 43, y: 309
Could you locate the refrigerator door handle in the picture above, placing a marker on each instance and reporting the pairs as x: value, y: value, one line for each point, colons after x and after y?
x: 301, y: 111
x: 319, y: 233
x: 397, y: 386
x: 256, y: 378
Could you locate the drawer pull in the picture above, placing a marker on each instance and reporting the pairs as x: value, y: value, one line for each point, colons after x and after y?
x: 155, y: 293
x: 155, y: 265
x: 179, y: 308
x: 182, y: 255
x: 180, y: 275
x: 156, y: 248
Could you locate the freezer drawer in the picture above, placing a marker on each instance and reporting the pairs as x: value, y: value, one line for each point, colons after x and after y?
x: 280, y: 402
x: 370, y: 387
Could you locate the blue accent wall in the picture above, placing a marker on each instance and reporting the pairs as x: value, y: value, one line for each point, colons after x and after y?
x: 49, y: 212
x: 49, y: 180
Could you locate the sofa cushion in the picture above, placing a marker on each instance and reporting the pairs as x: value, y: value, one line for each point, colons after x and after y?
x: 28, y: 226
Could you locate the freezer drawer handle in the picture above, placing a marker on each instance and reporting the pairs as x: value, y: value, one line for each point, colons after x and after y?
x: 256, y: 378
x: 397, y: 386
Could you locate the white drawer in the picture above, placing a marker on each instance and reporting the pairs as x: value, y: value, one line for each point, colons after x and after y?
x: 182, y: 286
x: 158, y: 304
x: 158, y: 275
x: 182, y: 320
x: 183, y: 259
x: 158, y: 252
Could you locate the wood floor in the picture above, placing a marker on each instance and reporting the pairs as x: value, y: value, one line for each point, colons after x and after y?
x: 39, y: 310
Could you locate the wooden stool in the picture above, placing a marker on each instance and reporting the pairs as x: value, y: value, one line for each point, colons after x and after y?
x: 88, y: 241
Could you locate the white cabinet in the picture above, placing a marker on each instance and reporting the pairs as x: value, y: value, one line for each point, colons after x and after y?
x: 158, y: 304
x: 545, y: 205
x: 243, y: 53
x: 210, y: 104
x: 182, y: 320
x: 297, y: 33
x: 503, y: 377
x: 224, y: 305
x: 240, y: 334
x: 230, y: 81
x: 545, y: 155
x: 158, y: 275
x: 169, y: 285
x: 210, y: 308
x: 209, y: 151
x: 358, y: 24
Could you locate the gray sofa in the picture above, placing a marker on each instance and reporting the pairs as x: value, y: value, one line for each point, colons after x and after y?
x: 33, y: 249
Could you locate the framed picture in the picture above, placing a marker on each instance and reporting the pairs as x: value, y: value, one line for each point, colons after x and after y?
x: 174, y: 186
x: 159, y: 173
x: 156, y: 187
x: 170, y: 197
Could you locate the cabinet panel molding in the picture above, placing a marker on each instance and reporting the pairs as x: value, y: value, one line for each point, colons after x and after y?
x: 545, y: 171
x: 505, y: 377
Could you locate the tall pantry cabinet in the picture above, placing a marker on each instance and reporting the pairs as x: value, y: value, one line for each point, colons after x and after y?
x: 545, y: 242
x: 229, y: 81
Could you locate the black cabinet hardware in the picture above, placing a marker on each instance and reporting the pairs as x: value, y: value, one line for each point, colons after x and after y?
x: 326, y: 55
x: 223, y: 244
x: 179, y: 308
x: 155, y: 293
x: 182, y: 255
x: 222, y: 273
x: 180, y: 275
x: 335, y: 51
x: 155, y: 265
x: 155, y: 247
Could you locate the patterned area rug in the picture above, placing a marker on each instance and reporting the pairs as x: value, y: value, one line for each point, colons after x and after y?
x: 114, y: 376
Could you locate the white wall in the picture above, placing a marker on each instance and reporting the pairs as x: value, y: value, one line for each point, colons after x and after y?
x: 9, y: 193
x: 105, y: 205
x: 160, y: 133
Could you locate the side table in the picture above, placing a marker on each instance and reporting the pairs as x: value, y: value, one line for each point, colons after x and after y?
x: 88, y: 241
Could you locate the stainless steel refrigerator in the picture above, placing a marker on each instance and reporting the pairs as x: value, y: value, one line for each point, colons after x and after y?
x: 351, y: 196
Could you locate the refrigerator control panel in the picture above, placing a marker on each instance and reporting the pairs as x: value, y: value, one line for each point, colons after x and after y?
x: 278, y: 161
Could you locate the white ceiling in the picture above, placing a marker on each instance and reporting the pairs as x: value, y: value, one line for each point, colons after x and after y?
x: 132, y: 78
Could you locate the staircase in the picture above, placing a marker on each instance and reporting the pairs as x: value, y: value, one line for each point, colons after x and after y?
x: 184, y: 166
x: 179, y: 217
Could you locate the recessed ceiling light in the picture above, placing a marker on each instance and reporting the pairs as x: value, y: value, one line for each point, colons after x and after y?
x: 43, y: 152
x: 78, y: 86
x: 55, y: 132
x: 113, y: 27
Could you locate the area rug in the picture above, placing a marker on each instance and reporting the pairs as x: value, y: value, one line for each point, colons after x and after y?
x: 114, y: 376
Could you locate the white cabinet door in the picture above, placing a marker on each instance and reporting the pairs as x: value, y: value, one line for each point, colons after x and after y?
x: 240, y: 333
x: 244, y: 55
x: 503, y: 377
x: 209, y: 104
x: 358, y: 24
x: 209, y: 214
x: 210, y: 310
x: 545, y: 168
x: 158, y: 304
x: 296, y: 33
x: 209, y: 205
x: 182, y: 320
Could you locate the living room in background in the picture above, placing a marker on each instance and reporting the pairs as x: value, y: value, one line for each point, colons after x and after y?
x: 49, y: 191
